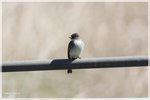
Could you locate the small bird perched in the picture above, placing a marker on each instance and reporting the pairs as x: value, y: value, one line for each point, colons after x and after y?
x: 75, y: 48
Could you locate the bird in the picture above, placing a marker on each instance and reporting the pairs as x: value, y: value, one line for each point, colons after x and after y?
x: 75, y: 47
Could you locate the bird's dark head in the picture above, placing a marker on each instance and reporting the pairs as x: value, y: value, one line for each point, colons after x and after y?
x: 74, y: 36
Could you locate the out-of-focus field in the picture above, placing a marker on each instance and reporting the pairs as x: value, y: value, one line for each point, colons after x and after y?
x: 34, y: 31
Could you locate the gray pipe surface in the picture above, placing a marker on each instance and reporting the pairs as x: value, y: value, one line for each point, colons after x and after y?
x: 84, y: 63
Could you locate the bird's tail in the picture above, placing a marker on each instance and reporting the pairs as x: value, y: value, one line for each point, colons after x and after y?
x: 69, y: 71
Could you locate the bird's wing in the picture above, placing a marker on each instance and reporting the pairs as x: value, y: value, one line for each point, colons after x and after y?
x: 71, y: 44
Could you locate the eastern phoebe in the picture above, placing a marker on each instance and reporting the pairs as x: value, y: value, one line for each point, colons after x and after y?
x: 75, y: 47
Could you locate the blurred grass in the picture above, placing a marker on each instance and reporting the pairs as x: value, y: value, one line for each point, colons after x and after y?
x: 41, y: 31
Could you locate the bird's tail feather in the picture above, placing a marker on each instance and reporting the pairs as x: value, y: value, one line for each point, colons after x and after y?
x: 69, y: 71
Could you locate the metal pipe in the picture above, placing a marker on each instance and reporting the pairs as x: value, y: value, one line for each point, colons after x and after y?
x: 85, y: 63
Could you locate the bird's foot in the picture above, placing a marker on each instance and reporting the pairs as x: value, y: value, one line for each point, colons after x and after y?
x: 79, y: 57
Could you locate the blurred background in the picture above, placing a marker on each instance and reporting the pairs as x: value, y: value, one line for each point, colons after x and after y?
x: 37, y: 31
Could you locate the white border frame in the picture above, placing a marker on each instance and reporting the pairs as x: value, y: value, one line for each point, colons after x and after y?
x: 1, y: 1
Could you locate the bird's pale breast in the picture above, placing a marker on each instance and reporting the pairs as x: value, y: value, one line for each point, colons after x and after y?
x: 77, y: 49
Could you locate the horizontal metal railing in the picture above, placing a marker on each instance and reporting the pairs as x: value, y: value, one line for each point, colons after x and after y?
x: 84, y: 63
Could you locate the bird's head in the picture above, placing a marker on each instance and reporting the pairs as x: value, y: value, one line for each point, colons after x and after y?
x: 74, y: 36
